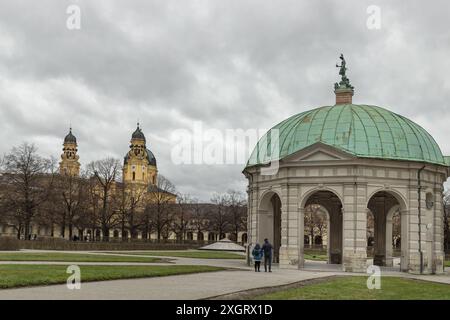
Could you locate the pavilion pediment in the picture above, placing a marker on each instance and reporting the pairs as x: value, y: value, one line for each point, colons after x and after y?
x: 318, y: 152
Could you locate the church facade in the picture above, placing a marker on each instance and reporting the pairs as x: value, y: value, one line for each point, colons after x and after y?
x: 353, y: 160
x: 139, y: 175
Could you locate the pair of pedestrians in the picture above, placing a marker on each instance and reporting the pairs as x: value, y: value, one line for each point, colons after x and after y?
x: 265, y: 252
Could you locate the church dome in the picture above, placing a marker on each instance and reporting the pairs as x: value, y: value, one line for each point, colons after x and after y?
x: 70, y: 138
x: 138, y: 134
x: 362, y: 130
x: 150, y: 158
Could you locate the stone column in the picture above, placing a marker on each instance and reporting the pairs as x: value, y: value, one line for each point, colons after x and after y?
x: 404, y: 242
x: 289, y: 253
x: 438, y: 236
x: 335, y: 233
x: 301, y: 236
x: 355, y: 228
x: 412, y: 255
x: 282, y: 255
x: 389, y: 260
x: 380, y: 235
x: 252, y: 224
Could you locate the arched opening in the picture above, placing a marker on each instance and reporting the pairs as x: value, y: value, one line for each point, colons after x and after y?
x: 385, y: 230
x: 97, y: 234
x: 88, y: 236
x: 244, y: 238
x: 270, y: 223
x: 190, y: 236
x: 200, y: 236
x: 211, y: 236
x: 316, y: 224
x: 116, y: 234
x: 323, y: 224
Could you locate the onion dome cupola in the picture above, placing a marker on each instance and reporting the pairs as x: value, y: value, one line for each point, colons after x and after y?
x: 70, y: 138
x: 138, y: 134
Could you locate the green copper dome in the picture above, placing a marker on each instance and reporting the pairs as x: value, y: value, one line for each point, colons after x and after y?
x: 361, y: 130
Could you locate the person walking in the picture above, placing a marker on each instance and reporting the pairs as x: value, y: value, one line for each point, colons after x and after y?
x: 257, y: 254
x: 267, y: 249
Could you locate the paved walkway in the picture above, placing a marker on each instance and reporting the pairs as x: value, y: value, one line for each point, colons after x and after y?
x: 186, y: 287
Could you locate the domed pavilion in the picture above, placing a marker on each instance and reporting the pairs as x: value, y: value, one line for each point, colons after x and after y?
x: 354, y: 161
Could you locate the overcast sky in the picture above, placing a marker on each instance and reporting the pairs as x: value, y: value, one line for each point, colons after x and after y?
x: 230, y: 64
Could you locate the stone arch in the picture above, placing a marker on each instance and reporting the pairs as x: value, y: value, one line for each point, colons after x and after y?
x: 266, y: 195
x: 383, y: 203
x: 98, y: 233
x: 269, y: 221
x: 310, y: 192
x: 244, y: 238
x: 396, y: 194
x: 211, y: 236
x: 332, y: 204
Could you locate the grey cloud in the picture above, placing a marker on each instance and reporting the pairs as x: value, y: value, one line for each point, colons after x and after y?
x: 230, y: 64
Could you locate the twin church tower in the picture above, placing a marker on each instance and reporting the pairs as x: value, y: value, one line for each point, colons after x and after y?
x: 139, y: 165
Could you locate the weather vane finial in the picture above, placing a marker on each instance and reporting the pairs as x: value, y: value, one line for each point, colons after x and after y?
x: 345, y: 82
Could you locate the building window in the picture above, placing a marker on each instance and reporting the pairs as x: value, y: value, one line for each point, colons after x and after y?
x: 134, y: 176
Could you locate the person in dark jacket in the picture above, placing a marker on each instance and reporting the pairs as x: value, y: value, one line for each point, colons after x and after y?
x: 267, y: 249
x: 257, y: 254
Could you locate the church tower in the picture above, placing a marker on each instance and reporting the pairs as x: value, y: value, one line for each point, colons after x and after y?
x: 69, y: 164
x: 139, y: 163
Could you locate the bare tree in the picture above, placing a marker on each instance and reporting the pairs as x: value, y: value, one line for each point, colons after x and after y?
x: 131, y: 199
x: 159, y: 206
x: 219, y: 219
x: 29, y: 183
x: 73, y: 194
x: 106, y: 173
x: 315, y: 222
x: 237, y: 211
x: 199, y: 219
x: 182, y: 216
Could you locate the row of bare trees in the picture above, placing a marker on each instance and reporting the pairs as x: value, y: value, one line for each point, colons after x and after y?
x: 33, y: 193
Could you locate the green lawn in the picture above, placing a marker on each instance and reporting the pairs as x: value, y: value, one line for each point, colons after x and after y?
x: 33, y: 275
x: 318, y: 255
x: 197, y: 254
x: 355, y: 288
x: 447, y: 263
x: 71, y: 257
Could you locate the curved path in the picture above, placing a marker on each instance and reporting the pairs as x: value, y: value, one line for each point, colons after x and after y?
x: 185, y: 287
